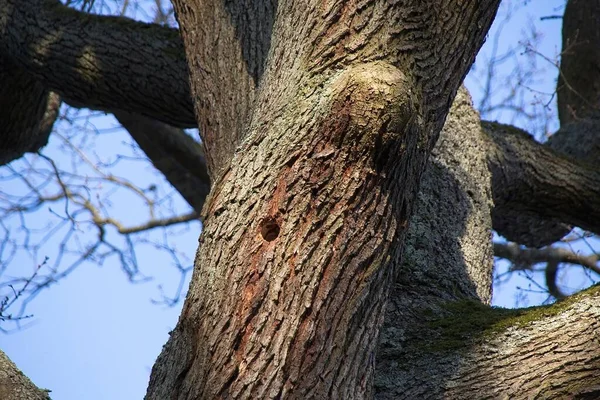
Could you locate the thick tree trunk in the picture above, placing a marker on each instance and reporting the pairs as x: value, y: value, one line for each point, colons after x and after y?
x: 319, y: 119
x: 438, y: 340
x: 304, y: 228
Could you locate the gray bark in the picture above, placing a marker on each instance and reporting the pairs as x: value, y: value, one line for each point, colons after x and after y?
x: 27, y: 112
x: 304, y: 229
x: 16, y: 386
x: 319, y: 120
x: 448, y: 254
x: 472, y: 352
x: 106, y: 63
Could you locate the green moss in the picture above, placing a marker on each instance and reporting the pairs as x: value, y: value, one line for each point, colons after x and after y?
x: 467, y: 321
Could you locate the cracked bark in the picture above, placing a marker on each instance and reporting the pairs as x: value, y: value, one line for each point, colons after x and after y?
x: 473, y: 352
x: 105, y: 63
x: 16, y: 386
x: 304, y: 229
x: 312, y: 170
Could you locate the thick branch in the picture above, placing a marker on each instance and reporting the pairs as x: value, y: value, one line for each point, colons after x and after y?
x: 14, y: 385
x: 579, y: 78
x: 174, y: 153
x: 27, y: 112
x: 469, y: 351
x: 99, y: 62
x: 535, y: 182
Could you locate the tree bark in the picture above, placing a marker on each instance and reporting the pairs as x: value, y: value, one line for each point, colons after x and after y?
x: 27, y: 112
x: 437, y: 333
x: 106, y: 63
x: 304, y: 229
x: 16, y: 386
x: 319, y: 120
x: 468, y: 351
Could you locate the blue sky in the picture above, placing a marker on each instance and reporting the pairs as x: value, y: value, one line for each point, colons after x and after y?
x: 95, y: 335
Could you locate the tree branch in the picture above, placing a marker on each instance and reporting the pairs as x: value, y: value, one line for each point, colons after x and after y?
x: 151, y: 224
x: 533, y: 184
x: 172, y: 152
x: 468, y: 350
x: 99, y: 62
x: 525, y: 258
x: 27, y: 112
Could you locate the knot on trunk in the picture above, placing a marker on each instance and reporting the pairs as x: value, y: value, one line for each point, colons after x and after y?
x: 375, y: 109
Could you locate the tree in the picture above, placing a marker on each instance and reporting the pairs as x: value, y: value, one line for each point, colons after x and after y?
x: 317, y: 121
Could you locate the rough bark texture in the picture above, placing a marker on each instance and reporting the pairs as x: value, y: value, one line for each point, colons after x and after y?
x: 438, y: 340
x: 579, y: 78
x: 468, y: 351
x: 448, y: 254
x: 279, y: 325
x: 304, y: 230
x: 107, y: 63
x: 16, y: 386
x: 319, y: 118
x: 579, y: 139
x: 27, y: 112
x: 227, y: 44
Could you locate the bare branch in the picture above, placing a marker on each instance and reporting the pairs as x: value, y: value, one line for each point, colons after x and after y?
x: 174, y: 153
x: 527, y: 257
x: 151, y: 224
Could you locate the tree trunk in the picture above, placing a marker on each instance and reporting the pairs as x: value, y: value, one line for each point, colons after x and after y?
x: 318, y: 120
x: 304, y: 227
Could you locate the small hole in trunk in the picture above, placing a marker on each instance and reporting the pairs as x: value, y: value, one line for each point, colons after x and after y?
x: 269, y: 229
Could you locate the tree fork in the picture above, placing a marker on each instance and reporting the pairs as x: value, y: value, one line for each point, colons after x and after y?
x: 305, y: 222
